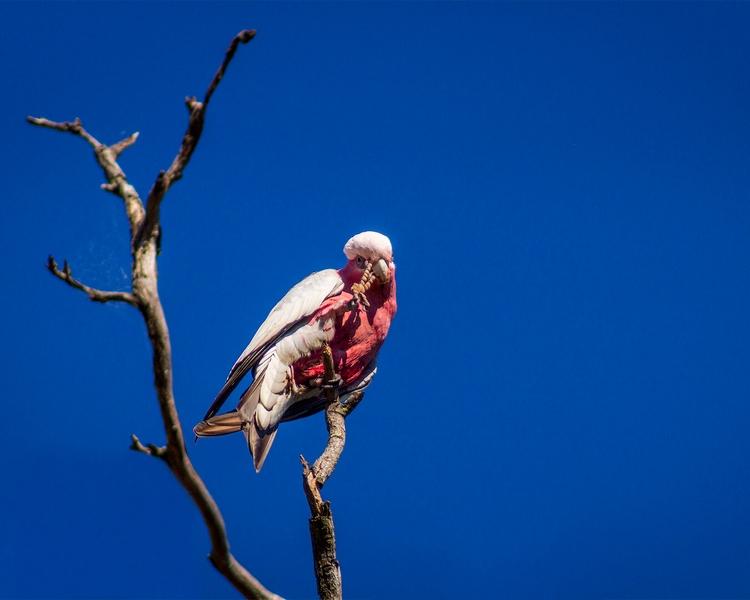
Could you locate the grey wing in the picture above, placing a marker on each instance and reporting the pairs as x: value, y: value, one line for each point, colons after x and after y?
x: 296, y: 306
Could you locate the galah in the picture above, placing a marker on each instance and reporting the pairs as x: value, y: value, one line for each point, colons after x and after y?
x: 351, y: 309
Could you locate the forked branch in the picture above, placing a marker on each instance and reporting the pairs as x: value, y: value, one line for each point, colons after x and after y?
x: 144, y: 227
x: 322, y: 535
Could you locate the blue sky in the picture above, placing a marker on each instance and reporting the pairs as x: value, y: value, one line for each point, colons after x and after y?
x: 561, y: 408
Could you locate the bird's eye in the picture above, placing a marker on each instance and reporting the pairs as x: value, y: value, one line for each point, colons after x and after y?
x: 361, y: 262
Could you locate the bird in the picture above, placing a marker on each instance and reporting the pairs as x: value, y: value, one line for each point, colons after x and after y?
x: 349, y: 309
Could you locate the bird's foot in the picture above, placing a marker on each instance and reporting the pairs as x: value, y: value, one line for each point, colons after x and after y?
x: 359, y: 292
x: 359, y: 289
x: 333, y: 384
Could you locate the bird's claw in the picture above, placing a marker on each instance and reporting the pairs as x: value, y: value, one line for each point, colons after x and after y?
x: 362, y: 301
x: 333, y: 384
x: 359, y: 291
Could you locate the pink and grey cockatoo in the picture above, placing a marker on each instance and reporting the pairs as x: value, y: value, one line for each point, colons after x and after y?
x: 350, y: 309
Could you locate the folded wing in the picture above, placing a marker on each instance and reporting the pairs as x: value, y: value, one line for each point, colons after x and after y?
x: 291, y: 312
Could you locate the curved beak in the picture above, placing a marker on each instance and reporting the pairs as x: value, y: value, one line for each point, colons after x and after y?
x: 380, y: 270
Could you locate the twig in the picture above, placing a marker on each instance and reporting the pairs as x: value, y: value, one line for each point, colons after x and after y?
x: 93, y: 294
x: 106, y: 156
x: 75, y: 128
x: 243, y: 37
x: 121, y: 145
x: 197, y: 110
x: 150, y: 449
x: 145, y: 296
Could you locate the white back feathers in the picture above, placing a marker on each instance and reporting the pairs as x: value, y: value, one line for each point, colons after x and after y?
x: 370, y: 245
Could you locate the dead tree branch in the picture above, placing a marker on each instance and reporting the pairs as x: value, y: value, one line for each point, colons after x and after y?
x: 144, y: 228
x: 322, y: 534
x: 150, y: 225
x: 93, y: 294
x: 106, y: 156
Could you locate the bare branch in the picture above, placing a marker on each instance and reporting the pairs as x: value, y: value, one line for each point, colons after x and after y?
x: 150, y: 449
x: 122, y: 144
x: 244, y: 37
x: 75, y: 128
x: 197, y: 110
x: 335, y: 415
x: 106, y: 156
x: 322, y: 534
x: 144, y: 227
x: 327, y: 567
x: 93, y: 294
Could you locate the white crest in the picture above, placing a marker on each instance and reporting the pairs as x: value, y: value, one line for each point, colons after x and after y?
x: 369, y: 244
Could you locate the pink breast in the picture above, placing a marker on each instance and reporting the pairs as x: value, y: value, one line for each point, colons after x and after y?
x: 358, y: 338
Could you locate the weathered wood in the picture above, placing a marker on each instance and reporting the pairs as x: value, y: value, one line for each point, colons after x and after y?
x: 144, y: 238
x: 322, y: 534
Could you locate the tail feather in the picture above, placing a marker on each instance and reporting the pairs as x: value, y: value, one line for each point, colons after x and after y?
x: 223, y: 424
x: 244, y: 419
x: 259, y: 443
